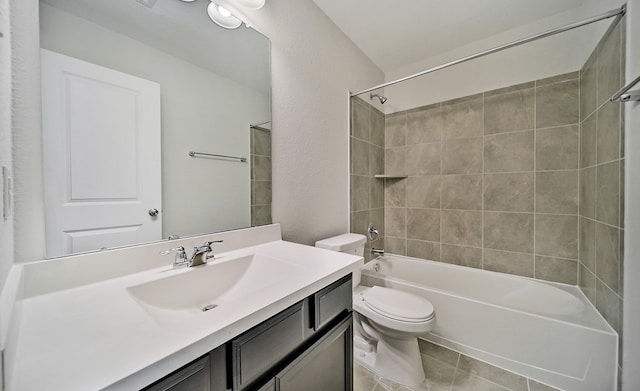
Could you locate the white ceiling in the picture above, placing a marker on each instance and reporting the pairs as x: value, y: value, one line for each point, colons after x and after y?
x: 401, y: 32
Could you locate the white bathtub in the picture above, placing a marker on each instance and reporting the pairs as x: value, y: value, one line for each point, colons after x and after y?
x: 541, y: 330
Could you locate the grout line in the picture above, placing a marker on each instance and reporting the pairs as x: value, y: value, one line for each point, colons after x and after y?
x: 535, y: 167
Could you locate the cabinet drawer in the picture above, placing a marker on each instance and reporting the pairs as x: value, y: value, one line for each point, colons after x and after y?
x: 257, y: 350
x: 194, y: 376
x: 331, y: 301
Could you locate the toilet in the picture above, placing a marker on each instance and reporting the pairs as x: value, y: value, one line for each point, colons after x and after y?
x: 387, y: 322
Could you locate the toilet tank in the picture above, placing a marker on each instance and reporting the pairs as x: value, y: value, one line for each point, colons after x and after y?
x: 346, y: 243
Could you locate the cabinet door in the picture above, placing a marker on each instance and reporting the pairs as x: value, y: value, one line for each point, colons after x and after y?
x: 326, y: 365
x: 193, y: 377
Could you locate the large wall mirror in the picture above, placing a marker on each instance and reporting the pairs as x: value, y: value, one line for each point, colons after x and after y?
x: 129, y: 89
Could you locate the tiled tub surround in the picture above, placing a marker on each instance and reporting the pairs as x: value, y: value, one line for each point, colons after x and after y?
x: 602, y: 179
x: 260, y: 177
x: 541, y: 330
x: 367, y: 160
x: 493, y: 180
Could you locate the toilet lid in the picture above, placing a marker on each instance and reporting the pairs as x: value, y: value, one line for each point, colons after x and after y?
x: 399, y: 305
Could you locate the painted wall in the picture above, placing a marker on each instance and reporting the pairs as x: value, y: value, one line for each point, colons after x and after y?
x: 551, y: 56
x: 314, y: 65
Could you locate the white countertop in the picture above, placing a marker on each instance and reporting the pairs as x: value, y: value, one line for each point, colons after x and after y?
x: 96, y: 336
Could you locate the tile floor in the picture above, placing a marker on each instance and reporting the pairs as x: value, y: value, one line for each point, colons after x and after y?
x: 447, y: 370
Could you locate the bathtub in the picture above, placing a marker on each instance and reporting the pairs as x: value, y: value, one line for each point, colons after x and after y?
x: 545, y: 331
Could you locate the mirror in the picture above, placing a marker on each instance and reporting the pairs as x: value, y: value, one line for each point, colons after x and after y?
x: 139, y: 85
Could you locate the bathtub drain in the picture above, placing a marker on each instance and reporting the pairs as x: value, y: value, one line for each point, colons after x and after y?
x: 209, y: 307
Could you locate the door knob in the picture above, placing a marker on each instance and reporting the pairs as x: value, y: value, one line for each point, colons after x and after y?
x: 153, y: 212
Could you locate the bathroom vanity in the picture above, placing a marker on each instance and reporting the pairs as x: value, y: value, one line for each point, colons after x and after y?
x: 265, y: 314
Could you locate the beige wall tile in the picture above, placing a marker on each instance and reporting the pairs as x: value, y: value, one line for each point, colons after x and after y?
x: 588, y: 192
x: 395, y: 161
x: 359, y: 157
x: 360, y: 119
x: 461, y: 227
x: 608, y: 70
x: 517, y: 87
x: 608, y: 304
x: 607, y: 255
x: 557, y: 192
x: 461, y: 255
x: 424, y: 250
x: 261, y: 143
x: 509, y: 112
x: 261, y: 168
x: 508, y: 231
x: 509, y: 192
x: 608, y: 193
x: 508, y: 262
x: 376, y: 193
x: 509, y: 152
x: 588, y: 243
x: 423, y: 159
x: 395, y: 192
x: 588, y: 83
x: 462, y: 156
x: 588, y: 141
x: 423, y: 191
x: 262, y: 214
x: 377, y: 128
x: 359, y: 222
x: 557, y: 236
x: 462, y: 192
x: 558, y: 104
x: 376, y: 160
x: 395, y: 133
x: 587, y: 283
x: 556, y: 269
x: 558, y: 78
x: 262, y: 192
x: 395, y: 222
x: 463, y: 120
x: 608, y: 132
x: 376, y: 217
x: 423, y: 224
x: 557, y: 148
x: 395, y: 245
x: 359, y: 193
x: 424, y: 126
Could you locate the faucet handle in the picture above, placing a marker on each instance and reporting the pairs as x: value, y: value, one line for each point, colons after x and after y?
x: 208, y: 244
x: 180, y: 259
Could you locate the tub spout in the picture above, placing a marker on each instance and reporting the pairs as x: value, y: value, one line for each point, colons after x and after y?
x: 377, y: 251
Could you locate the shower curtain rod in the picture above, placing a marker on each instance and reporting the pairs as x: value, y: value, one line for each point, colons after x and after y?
x: 618, y: 13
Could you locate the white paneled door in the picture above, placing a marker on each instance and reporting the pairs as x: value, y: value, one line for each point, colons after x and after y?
x: 101, y: 153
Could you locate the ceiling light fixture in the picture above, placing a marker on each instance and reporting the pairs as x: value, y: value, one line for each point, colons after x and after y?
x: 222, y: 17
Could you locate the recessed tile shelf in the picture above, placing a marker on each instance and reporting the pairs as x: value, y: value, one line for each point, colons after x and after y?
x: 398, y: 176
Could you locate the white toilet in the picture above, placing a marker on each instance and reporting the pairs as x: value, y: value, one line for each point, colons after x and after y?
x: 387, y: 322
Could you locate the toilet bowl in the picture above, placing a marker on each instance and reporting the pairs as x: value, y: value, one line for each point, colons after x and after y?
x: 387, y: 323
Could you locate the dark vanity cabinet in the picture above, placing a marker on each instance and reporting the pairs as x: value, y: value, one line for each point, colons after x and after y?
x: 308, y: 346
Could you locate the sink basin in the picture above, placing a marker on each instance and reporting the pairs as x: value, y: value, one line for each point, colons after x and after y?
x: 204, y: 288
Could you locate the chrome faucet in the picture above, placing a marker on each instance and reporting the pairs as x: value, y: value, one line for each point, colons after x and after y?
x: 200, y: 255
x: 377, y: 251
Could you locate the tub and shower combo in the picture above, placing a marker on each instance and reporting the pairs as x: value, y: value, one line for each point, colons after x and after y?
x: 545, y: 331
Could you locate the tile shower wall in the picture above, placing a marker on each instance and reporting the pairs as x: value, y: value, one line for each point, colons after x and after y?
x: 367, y: 160
x: 260, y: 177
x: 602, y: 179
x: 492, y: 180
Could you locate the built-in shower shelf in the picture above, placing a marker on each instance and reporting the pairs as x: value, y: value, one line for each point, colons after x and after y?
x: 396, y: 176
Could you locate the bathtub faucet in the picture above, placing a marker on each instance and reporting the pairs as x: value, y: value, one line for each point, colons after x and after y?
x: 377, y: 251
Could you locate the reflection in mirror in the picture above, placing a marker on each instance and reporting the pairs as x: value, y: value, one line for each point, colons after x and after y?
x: 128, y: 91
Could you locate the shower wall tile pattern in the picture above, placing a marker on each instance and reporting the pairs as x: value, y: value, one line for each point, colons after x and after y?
x: 493, y: 180
x: 367, y: 158
x: 601, y: 207
x: 260, y: 177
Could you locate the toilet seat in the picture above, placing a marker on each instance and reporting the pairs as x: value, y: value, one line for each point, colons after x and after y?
x: 398, y: 305
x: 395, y: 310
